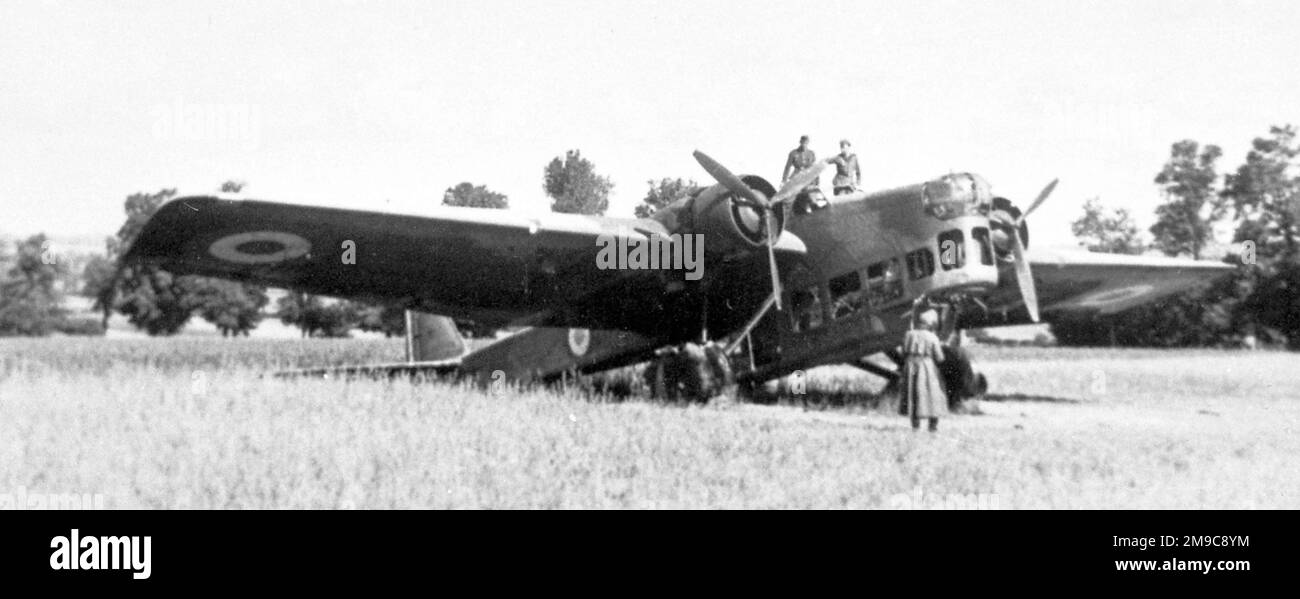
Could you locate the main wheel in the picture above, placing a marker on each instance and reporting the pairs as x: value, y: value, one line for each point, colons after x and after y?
x: 691, y: 372
x: 960, y: 381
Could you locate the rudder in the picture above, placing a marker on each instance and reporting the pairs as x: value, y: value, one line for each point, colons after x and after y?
x: 430, y: 338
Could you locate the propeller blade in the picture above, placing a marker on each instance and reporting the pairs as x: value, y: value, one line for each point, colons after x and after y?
x: 745, y: 192
x: 729, y: 179
x: 1025, y: 278
x: 1042, y: 197
x: 771, y: 259
x: 799, y: 181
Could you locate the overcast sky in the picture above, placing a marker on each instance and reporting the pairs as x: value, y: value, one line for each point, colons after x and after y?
x: 383, y: 105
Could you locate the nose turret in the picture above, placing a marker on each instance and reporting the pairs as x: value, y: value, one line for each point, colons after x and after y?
x: 958, y: 194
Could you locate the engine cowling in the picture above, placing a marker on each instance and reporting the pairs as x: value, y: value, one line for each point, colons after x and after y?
x: 1002, y: 217
x: 728, y: 225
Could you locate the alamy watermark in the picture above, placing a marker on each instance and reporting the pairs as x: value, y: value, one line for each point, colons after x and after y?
x: 630, y: 250
x: 180, y: 120
x: 918, y: 499
x: 75, y: 551
x: 24, y: 500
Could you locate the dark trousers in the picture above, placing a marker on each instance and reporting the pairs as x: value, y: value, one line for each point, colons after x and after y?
x: 934, y: 423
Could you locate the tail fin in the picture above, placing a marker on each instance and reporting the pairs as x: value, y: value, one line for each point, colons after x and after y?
x: 430, y: 338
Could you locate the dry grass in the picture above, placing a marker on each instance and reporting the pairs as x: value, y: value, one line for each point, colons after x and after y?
x: 1067, y: 428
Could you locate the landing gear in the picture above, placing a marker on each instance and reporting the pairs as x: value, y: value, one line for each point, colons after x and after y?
x: 691, y: 372
x: 893, y: 376
x: 960, y: 380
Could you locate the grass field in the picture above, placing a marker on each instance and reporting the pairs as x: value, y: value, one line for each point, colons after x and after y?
x: 189, y: 423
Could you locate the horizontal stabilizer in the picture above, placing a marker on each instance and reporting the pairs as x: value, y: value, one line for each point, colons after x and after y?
x: 390, y: 370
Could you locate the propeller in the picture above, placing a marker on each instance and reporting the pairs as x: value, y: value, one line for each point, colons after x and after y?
x: 1038, y: 201
x: 748, y: 195
x: 1024, y: 276
x: 730, y: 180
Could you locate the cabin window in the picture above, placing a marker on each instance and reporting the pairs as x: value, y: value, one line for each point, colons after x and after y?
x: 806, y: 309
x: 952, y: 249
x: 920, y: 264
x: 847, y: 295
x: 981, y: 237
x: 884, y: 282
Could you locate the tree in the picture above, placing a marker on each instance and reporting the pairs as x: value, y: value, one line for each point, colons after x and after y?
x: 235, y: 308
x: 29, y: 298
x: 1185, y: 222
x: 150, y: 298
x: 474, y: 196
x: 139, y: 207
x: 574, y: 186
x: 98, y: 280
x: 316, y: 317
x: 1265, y: 193
x: 293, y: 307
x: 154, y: 300
x: 32, y: 270
x: 663, y: 193
x: 386, y: 319
x: 1112, y: 233
x: 1266, y: 196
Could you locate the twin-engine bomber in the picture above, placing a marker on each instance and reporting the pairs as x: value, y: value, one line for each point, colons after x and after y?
x: 787, y: 284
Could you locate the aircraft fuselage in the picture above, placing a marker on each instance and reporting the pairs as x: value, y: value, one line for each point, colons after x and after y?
x: 870, y: 257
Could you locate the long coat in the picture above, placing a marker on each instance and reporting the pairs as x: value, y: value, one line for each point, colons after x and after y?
x: 923, y: 395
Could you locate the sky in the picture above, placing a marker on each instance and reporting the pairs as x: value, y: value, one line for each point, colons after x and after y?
x: 383, y: 105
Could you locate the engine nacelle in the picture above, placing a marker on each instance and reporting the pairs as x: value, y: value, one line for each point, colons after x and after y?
x: 728, y: 225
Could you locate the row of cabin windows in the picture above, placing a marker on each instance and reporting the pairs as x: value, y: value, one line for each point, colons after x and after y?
x: 884, y: 282
x: 952, y: 253
x: 848, y: 294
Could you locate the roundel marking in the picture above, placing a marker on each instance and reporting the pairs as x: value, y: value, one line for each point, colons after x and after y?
x: 1114, y: 296
x: 259, y: 247
x: 579, y: 341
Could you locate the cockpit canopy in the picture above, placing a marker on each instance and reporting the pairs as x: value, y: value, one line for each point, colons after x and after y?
x: 958, y: 194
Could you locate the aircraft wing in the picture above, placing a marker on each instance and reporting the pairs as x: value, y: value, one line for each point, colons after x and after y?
x: 493, y: 266
x: 1082, y: 281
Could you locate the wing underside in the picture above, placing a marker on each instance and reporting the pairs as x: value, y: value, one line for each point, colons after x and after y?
x: 1080, y: 281
x: 496, y: 267
x: 489, y: 265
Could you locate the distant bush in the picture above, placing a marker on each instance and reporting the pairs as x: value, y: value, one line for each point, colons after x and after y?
x: 88, y: 327
x: 22, y: 318
x: 187, y: 354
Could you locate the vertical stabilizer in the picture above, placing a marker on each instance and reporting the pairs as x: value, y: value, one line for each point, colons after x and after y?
x: 431, y: 338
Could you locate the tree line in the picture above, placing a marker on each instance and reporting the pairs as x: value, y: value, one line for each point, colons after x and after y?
x: 1259, y: 202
